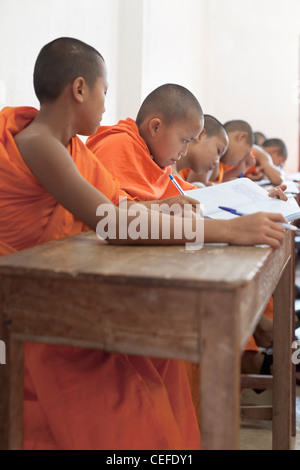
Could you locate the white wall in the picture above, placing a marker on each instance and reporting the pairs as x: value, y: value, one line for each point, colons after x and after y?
x: 174, y: 44
x: 27, y: 25
x: 252, y: 63
x: 240, y: 58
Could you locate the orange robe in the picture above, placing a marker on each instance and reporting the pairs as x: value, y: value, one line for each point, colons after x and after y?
x: 253, y: 169
x: 5, y: 249
x: 78, y: 398
x: 221, y: 173
x: 184, y: 173
x: 125, y: 154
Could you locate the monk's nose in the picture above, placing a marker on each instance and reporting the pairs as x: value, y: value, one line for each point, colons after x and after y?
x: 184, y: 150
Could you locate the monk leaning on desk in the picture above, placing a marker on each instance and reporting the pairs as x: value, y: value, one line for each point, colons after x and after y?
x: 50, y: 186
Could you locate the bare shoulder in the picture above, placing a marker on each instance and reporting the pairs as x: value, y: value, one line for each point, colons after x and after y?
x: 260, y: 154
x: 47, y: 158
x: 35, y: 145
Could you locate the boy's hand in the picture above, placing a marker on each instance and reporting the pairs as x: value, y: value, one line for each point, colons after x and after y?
x: 257, y: 229
x: 182, y: 201
x: 278, y: 192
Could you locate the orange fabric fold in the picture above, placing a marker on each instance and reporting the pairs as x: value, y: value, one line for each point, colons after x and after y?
x: 79, y: 398
x: 125, y: 154
x: 5, y: 249
x: 221, y: 173
x: 184, y: 173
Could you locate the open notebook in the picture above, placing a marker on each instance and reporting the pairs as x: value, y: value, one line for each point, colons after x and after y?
x: 243, y: 195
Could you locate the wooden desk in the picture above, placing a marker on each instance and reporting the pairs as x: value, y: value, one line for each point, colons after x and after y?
x: 158, y: 301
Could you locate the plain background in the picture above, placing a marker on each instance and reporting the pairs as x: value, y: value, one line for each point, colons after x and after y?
x: 239, y: 57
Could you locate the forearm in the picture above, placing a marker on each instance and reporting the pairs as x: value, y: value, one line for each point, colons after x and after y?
x: 231, y: 174
x: 217, y: 231
x: 273, y: 174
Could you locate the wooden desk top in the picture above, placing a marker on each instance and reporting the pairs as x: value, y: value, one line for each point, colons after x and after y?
x: 84, y: 256
x: 137, y: 285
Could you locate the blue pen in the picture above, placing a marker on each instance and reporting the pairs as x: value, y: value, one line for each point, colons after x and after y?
x: 232, y: 211
x: 176, y: 184
x: 241, y: 175
x: 235, y: 212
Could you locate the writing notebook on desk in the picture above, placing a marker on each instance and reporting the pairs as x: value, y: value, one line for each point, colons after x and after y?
x: 245, y: 196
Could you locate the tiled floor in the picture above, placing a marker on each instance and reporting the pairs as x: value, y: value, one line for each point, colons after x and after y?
x: 257, y: 435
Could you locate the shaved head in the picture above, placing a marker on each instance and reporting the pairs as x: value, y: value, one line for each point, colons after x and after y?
x: 259, y: 138
x: 173, y: 103
x: 60, y: 62
x: 277, y: 143
x: 212, y: 126
x: 240, y: 126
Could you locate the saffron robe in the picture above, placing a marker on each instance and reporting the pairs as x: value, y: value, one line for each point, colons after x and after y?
x: 221, y: 173
x: 78, y: 398
x: 253, y: 169
x: 184, y: 173
x: 125, y: 154
x: 5, y: 249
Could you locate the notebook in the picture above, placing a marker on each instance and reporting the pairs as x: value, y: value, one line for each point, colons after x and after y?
x: 243, y: 195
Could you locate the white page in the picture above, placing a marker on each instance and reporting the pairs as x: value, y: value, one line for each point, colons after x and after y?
x: 292, y: 187
x: 241, y: 194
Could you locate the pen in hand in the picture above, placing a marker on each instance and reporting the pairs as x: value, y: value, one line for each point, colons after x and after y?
x: 235, y: 212
x: 176, y: 184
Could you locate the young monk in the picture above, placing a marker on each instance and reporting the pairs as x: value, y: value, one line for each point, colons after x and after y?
x: 264, y: 166
x: 277, y: 149
x: 259, y: 138
x: 237, y: 159
x: 204, y: 153
x: 51, y: 186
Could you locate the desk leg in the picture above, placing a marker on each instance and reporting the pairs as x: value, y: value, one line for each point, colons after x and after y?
x: 4, y: 376
x: 16, y: 395
x: 219, y: 371
x: 11, y: 383
x: 282, y: 362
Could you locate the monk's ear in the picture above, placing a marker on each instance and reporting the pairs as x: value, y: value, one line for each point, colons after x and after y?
x: 201, y: 135
x: 154, y: 126
x: 79, y: 89
x: 243, y: 135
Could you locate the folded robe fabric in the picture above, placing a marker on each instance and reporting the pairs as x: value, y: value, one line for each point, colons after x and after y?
x: 124, y: 152
x: 184, y: 173
x: 79, y: 398
x: 5, y: 249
